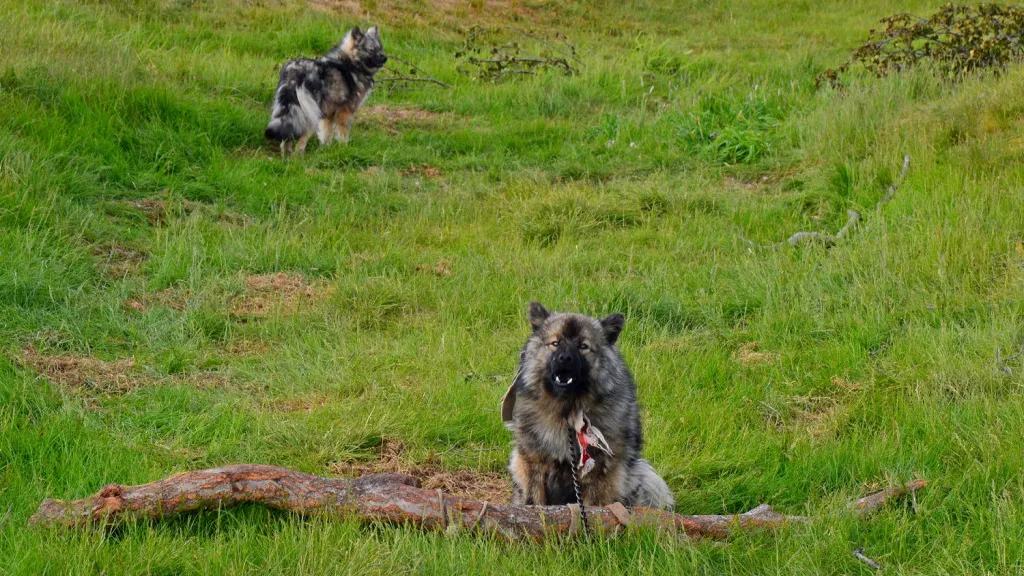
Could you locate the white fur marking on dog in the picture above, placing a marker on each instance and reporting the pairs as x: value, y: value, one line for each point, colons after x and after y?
x: 310, y: 109
x: 348, y: 44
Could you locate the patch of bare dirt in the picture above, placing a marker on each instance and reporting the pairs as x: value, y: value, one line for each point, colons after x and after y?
x: 442, y: 268
x: 487, y: 486
x: 749, y: 355
x: 353, y: 7
x: 173, y: 298
x: 813, y: 413
x: 232, y: 218
x: 423, y: 169
x: 93, y: 377
x: 136, y: 305
x: 155, y: 210
x: 396, y: 115
x: 281, y: 291
x: 819, y: 415
x: 248, y: 348
x: 160, y: 210
x: 392, y: 117
x: 431, y: 11
x: 118, y: 260
x: 84, y: 372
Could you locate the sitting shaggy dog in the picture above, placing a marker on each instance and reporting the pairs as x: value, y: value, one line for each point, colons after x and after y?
x: 574, y: 412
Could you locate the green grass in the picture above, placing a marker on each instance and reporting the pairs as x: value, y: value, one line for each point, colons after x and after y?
x: 625, y: 188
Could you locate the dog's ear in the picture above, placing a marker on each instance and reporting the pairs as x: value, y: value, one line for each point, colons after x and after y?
x: 537, y: 314
x: 612, y: 325
x: 373, y: 33
x: 348, y: 43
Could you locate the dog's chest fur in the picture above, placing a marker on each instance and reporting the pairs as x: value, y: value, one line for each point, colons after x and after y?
x: 541, y: 426
x: 345, y: 86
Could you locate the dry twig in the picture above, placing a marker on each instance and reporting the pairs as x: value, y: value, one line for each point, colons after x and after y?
x: 859, y: 555
x: 1003, y: 364
x: 852, y: 219
x: 415, y: 74
x: 895, y: 185
x: 486, y: 55
x: 7, y: 515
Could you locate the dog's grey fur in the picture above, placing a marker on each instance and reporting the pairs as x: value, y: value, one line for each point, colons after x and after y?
x: 323, y: 95
x: 579, y: 350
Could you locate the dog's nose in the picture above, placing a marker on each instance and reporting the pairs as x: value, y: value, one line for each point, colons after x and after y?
x: 562, y: 358
x: 384, y: 60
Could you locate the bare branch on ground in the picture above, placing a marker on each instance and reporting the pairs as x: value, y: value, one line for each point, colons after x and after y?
x: 390, y: 499
x: 413, y: 74
x: 852, y: 219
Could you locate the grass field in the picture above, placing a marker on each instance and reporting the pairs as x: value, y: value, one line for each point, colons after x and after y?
x: 173, y: 296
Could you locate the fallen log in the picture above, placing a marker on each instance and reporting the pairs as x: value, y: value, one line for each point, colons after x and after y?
x: 389, y: 499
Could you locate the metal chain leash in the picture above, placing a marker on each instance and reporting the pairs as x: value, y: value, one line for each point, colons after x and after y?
x: 575, y: 477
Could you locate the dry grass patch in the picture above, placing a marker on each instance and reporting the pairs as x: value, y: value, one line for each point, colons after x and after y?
x: 117, y: 260
x: 263, y: 294
x: 486, y: 486
x: 92, y: 377
x: 749, y: 355
x: 282, y: 292
x: 391, y: 118
x: 442, y: 268
x: 423, y: 169
x: 248, y: 348
x: 495, y: 12
x: 173, y: 298
x: 160, y: 210
x: 84, y: 372
x: 821, y: 415
x: 814, y: 414
x: 203, y: 380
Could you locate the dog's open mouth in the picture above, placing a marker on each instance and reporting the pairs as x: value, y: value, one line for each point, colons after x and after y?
x: 563, y: 380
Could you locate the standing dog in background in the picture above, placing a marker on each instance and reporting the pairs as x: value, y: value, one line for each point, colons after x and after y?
x: 573, y: 409
x: 323, y: 95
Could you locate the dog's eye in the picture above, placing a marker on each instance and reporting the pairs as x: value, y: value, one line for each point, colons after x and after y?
x: 553, y: 343
x: 583, y: 346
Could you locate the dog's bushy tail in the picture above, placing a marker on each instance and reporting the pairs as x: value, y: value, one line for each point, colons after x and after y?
x: 295, y: 113
x: 647, y: 488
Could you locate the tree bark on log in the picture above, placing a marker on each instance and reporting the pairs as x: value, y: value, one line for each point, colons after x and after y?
x: 391, y: 499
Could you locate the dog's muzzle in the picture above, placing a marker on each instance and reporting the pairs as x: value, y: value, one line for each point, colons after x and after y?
x: 566, y: 368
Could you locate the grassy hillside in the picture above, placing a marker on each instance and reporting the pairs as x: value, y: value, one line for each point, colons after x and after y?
x: 173, y: 296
